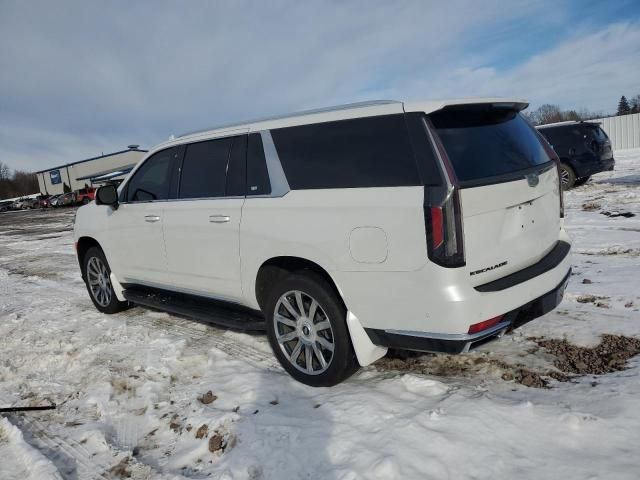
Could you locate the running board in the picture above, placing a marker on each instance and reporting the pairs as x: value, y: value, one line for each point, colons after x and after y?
x: 197, y: 308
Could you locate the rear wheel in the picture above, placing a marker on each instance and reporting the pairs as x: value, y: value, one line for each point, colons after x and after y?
x: 307, y: 330
x: 85, y: 200
x: 582, y: 181
x: 97, y: 276
x: 568, y: 176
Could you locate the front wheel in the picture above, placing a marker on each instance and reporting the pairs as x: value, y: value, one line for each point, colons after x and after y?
x: 307, y: 330
x: 97, y: 276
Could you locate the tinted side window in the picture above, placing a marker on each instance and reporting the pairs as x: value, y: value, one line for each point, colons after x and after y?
x: 237, y: 169
x: 151, y: 181
x: 204, y: 169
x: 363, y: 152
x: 257, y: 174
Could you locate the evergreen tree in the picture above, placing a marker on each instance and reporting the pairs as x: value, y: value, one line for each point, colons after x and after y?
x: 623, y: 106
x: 635, y: 104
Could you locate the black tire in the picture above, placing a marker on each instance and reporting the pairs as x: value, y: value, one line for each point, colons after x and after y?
x: 102, y: 303
x: 85, y: 201
x: 343, y: 362
x: 581, y: 181
x: 568, y: 176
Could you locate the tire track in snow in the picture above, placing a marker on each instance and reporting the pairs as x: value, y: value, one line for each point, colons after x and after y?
x: 71, y: 459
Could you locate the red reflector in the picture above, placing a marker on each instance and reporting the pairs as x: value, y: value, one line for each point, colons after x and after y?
x: 437, y: 234
x: 479, y: 327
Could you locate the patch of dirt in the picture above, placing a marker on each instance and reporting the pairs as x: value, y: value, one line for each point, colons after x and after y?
x: 595, y: 299
x: 215, y: 443
x: 634, y: 252
x: 618, y: 214
x: 120, y: 386
x: 588, y: 206
x: 610, y: 355
x: 122, y: 469
x: 208, y: 398
x: 202, y: 432
x: 222, y: 441
x: 465, y: 365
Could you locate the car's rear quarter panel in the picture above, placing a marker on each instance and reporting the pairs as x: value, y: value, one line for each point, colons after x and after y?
x: 342, y: 230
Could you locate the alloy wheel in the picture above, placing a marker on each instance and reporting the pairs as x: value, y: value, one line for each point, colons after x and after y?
x: 564, y: 177
x: 303, y: 331
x: 99, y: 281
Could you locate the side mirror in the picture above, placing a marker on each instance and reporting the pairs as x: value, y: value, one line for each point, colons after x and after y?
x: 107, y: 195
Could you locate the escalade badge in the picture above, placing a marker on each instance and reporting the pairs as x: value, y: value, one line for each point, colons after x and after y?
x: 533, y: 179
x: 486, y: 269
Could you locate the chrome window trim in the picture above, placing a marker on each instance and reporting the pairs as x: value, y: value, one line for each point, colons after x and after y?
x: 277, y: 179
x: 234, y: 197
x: 279, y: 184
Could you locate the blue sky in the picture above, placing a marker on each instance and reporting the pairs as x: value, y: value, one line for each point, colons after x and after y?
x: 81, y: 78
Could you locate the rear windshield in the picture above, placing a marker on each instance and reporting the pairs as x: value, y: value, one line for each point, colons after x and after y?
x: 598, y: 133
x: 483, y: 143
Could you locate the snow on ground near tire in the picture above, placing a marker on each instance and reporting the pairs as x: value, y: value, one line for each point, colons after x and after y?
x: 128, y: 385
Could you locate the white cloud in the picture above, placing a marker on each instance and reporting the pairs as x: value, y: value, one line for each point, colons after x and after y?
x: 590, y: 70
x: 86, y: 77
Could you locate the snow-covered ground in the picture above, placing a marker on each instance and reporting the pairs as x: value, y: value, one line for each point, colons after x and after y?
x: 129, y: 387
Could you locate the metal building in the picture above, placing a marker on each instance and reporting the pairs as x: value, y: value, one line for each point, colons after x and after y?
x: 90, y: 171
x: 623, y: 130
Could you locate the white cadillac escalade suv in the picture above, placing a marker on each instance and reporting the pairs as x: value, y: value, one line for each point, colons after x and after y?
x: 428, y: 226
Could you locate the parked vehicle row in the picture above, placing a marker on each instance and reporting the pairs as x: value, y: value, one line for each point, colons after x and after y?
x: 79, y: 197
x: 583, y: 147
x: 430, y: 226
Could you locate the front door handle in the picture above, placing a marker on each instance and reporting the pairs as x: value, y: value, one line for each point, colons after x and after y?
x: 151, y: 218
x: 219, y: 218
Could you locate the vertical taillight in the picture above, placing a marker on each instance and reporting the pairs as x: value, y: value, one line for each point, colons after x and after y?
x: 442, y: 213
x: 437, y: 228
x: 444, y: 232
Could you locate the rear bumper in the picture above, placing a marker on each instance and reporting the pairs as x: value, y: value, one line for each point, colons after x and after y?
x: 460, y: 343
x: 591, y: 168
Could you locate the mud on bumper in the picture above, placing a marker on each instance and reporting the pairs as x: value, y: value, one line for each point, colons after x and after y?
x: 460, y: 343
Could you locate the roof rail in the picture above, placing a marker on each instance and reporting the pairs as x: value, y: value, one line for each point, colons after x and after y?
x: 347, y: 106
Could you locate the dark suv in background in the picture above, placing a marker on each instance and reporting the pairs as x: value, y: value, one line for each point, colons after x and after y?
x: 583, y: 147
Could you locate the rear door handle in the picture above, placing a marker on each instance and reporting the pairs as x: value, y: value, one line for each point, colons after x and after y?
x: 151, y: 218
x: 219, y: 218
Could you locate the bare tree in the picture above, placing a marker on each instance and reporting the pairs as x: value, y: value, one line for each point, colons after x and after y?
x: 17, y: 184
x: 5, y: 173
x: 548, y: 113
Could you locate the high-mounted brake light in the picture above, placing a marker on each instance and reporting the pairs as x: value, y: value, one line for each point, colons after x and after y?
x: 480, y: 327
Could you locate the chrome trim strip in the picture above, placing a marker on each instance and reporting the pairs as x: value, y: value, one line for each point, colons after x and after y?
x: 463, y: 337
x: 279, y: 183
